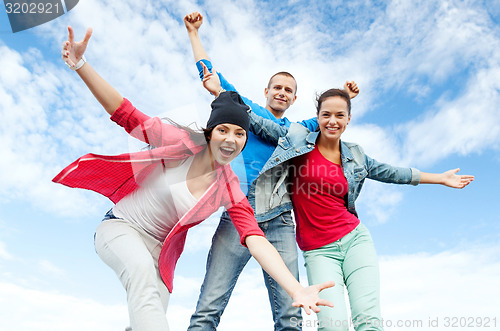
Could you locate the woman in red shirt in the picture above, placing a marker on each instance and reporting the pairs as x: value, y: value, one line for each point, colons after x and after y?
x: 160, y: 193
x: 324, y: 185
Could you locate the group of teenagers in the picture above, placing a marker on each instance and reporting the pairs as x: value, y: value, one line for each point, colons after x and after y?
x: 185, y: 176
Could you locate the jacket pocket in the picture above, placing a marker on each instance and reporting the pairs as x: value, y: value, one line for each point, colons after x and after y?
x: 286, y: 218
x: 284, y: 142
x: 359, y: 174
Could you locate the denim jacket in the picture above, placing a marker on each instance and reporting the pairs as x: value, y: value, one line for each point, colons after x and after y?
x: 297, y: 140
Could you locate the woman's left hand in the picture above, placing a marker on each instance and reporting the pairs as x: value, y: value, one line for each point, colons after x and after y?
x: 451, y: 179
x: 211, y: 80
x: 72, y: 51
x: 308, y: 297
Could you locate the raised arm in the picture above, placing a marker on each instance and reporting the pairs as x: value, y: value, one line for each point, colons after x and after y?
x: 141, y: 126
x: 193, y: 22
x: 265, y: 128
x: 448, y: 178
x: 72, y: 53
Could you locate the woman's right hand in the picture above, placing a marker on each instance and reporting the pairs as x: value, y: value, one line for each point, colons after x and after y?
x: 73, y: 51
x: 308, y: 298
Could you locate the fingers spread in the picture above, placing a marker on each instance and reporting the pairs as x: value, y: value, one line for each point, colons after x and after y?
x: 323, y: 302
x: 305, y: 307
x: 315, y: 308
x: 328, y: 284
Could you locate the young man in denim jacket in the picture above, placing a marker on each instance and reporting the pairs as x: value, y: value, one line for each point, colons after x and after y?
x: 274, y: 215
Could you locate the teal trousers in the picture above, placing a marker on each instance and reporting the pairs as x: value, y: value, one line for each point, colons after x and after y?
x: 351, y: 262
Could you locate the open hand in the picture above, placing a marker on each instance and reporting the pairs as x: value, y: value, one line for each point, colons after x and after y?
x: 308, y: 297
x: 73, y: 51
x: 193, y: 21
x: 351, y: 88
x: 451, y: 179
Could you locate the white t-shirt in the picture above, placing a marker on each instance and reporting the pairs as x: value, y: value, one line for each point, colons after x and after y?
x: 160, y: 202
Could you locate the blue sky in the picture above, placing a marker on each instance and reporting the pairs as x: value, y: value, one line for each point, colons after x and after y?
x: 429, y: 74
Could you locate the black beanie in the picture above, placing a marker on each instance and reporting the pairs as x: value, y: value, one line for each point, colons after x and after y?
x: 228, y: 107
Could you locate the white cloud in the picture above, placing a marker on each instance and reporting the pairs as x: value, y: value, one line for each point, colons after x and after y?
x: 468, y: 124
x: 455, y: 283
x: 31, y: 128
x: 442, y: 40
x: 25, y: 309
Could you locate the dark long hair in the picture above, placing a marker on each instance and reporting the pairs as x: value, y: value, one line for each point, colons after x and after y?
x: 199, y: 136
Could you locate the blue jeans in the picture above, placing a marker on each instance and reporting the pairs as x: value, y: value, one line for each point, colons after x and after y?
x: 350, y: 262
x: 226, y: 260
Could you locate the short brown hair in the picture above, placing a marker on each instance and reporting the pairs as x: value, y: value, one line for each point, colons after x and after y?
x: 282, y: 73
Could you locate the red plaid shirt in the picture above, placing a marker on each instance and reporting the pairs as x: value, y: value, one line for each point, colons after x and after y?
x: 116, y: 176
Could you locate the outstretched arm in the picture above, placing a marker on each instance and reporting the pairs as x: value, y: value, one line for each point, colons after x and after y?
x: 448, y: 178
x: 270, y: 260
x: 193, y: 22
x: 72, y: 53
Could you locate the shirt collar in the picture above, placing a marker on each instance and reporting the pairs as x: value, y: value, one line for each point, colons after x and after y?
x: 311, y: 137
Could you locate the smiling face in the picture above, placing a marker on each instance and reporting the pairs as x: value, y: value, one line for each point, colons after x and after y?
x: 226, y: 142
x: 333, y: 117
x: 280, y: 94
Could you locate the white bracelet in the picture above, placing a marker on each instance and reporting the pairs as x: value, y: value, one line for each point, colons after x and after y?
x: 78, y: 65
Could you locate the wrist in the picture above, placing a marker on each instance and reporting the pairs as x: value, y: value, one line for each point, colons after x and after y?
x: 193, y: 33
x: 220, y: 91
x: 443, y: 179
x: 78, y: 65
x: 296, y: 289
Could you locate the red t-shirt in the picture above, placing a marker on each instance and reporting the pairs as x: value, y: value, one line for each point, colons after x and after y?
x: 319, y: 189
